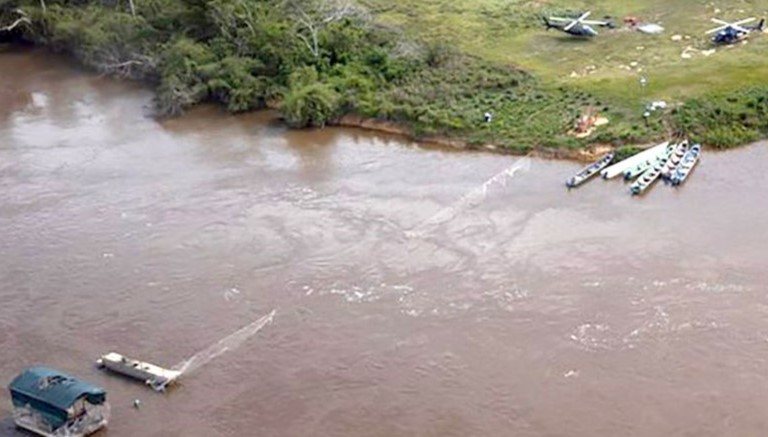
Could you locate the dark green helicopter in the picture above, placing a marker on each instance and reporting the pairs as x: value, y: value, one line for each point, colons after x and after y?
x: 576, y: 26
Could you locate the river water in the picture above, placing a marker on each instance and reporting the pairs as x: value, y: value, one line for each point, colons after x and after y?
x: 411, y: 297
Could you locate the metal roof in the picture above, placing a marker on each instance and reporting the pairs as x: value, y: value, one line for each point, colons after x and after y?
x: 54, y: 388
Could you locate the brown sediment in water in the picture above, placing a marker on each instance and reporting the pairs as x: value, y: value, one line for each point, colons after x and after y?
x: 519, y: 308
x: 588, y: 153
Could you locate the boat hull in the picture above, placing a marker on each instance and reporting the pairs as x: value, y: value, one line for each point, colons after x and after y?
x: 650, y: 176
x: 689, y: 162
x: 155, y: 376
x: 644, y: 166
x: 674, y: 160
x: 94, y: 420
x: 589, y: 171
x: 637, y: 171
x: 45, y: 433
x: 621, y: 167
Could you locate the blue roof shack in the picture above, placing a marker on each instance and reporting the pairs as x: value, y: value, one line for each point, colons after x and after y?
x: 52, y: 403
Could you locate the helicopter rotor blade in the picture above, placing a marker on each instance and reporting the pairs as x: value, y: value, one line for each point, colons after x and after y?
x: 594, y: 22
x: 736, y: 25
x: 741, y: 29
x: 717, y: 29
x: 745, y: 21
x: 577, y: 21
x: 559, y: 19
x: 585, y: 15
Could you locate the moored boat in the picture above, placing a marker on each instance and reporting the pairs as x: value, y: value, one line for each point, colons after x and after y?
x: 642, y: 167
x: 674, y: 160
x: 589, y: 171
x: 622, y: 166
x: 689, y: 161
x: 154, y: 376
x: 649, y: 177
x: 53, y: 404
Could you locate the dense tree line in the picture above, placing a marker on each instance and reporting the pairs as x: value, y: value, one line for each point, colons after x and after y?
x: 316, y: 59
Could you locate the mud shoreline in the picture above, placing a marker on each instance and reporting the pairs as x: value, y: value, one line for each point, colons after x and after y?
x: 586, y: 154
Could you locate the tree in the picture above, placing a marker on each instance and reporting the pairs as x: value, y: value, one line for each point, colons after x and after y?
x: 21, y: 20
x: 308, y: 101
x: 235, y: 82
x: 244, y: 23
x: 181, y: 80
x: 312, y: 16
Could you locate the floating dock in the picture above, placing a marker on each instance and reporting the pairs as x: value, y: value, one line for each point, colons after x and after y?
x: 53, y: 404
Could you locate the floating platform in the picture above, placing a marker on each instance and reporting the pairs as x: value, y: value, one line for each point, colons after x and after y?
x: 53, y: 404
x: 154, y: 376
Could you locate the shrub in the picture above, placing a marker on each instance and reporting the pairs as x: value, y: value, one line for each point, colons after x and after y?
x: 309, y: 102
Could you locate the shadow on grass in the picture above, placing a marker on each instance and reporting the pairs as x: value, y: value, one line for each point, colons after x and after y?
x: 571, y: 39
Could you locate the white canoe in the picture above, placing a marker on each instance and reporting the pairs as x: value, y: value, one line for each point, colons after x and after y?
x: 155, y: 376
x: 643, y: 166
x: 674, y: 160
x: 633, y: 161
x: 649, y: 177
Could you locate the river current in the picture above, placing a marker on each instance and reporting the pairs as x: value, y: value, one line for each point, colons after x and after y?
x: 416, y: 291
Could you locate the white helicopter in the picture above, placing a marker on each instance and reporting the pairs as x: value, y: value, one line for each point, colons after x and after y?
x: 729, y: 33
x: 576, y: 26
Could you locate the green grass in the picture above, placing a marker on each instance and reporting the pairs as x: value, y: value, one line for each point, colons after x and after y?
x: 509, y: 31
x: 435, y: 66
x: 608, y: 67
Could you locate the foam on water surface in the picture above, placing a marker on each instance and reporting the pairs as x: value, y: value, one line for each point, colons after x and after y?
x: 470, y: 199
x: 226, y: 344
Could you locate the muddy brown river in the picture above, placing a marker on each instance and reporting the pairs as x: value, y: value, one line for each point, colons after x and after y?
x: 417, y: 291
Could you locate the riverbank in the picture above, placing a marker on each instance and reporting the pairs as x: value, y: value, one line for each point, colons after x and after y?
x: 322, y: 63
x: 587, y: 153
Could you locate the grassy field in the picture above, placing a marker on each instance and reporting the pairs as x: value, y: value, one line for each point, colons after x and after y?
x: 435, y: 67
x: 510, y: 31
x: 608, y: 66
